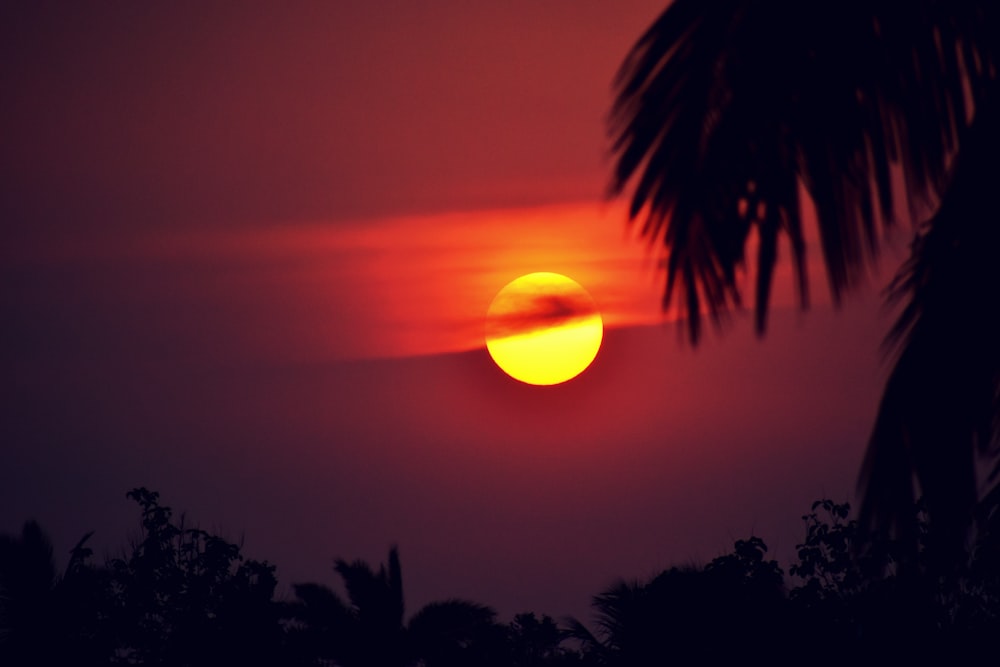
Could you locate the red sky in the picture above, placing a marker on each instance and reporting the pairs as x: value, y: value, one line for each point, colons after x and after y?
x: 249, y: 250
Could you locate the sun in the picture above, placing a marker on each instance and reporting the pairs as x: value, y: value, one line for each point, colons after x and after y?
x: 543, y: 329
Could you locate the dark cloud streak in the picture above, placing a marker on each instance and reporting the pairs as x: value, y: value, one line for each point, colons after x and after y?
x: 538, y: 312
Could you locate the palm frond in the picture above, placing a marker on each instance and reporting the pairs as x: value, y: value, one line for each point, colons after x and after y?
x: 591, y: 645
x: 318, y: 605
x: 377, y: 597
x: 456, y: 619
x: 941, y: 408
x: 619, y: 610
x: 456, y: 632
x: 394, y: 585
x: 362, y: 583
x: 724, y: 109
x: 26, y: 561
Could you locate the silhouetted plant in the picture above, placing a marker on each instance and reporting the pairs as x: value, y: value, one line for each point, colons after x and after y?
x: 455, y: 633
x: 369, y: 629
x: 186, y: 597
x: 47, y: 619
x: 984, y: 557
x: 539, y: 643
x: 733, y: 607
x: 730, y: 119
x: 181, y: 596
x: 885, y: 605
x: 828, y: 562
x: 746, y: 566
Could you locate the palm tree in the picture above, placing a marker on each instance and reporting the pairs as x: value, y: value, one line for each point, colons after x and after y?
x: 368, y: 629
x: 46, y: 618
x: 538, y: 642
x: 723, y: 613
x: 732, y: 117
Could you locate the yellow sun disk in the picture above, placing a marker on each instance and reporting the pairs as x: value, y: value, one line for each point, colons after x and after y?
x: 549, y: 356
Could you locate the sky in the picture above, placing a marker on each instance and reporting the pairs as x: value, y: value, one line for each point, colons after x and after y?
x: 248, y: 254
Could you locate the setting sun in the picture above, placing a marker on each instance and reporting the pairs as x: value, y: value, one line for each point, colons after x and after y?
x: 543, y: 329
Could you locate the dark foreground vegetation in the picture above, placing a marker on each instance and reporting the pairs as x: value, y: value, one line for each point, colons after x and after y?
x: 182, y: 596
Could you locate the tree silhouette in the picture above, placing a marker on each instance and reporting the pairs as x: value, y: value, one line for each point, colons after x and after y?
x: 46, y: 618
x: 180, y: 596
x: 183, y: 596
x: 27, y: 579
x: 884, y: 612
x: 861, y: 595
x: 731, y: 118
x: 369, y: 630
x: 538, y: 642
x: 733, y: 607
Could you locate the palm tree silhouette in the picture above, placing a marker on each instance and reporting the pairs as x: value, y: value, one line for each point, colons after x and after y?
x: 732, y: 608
x: 46, y: 618
x: 732, y: 117
x: 368, y: 629
x: 538, y: 642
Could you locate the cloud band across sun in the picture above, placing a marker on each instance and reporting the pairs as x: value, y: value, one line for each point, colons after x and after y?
x: 543, y: 329
x: 520, y: 314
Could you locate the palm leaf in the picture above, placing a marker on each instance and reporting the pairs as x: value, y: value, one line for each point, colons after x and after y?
x: 941, y: 408
x: 27, y: 568
x: 724, y: 109
x: 453, y: 621
x: 376, y: 600
x: 592, y: 646
x: 319, y: 606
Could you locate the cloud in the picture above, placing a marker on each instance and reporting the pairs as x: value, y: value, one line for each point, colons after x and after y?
x: 518, y: 315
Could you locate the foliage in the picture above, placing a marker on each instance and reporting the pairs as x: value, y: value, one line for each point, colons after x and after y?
x: 535, y: 642
x: 186, y: 597
x: 746, y: 566
x: 735, y: 122
x: 827, y: 562
x: 369, y: 629
x: 711, y: 615
x: 46, y: 618
x: 869, y: 588
x: 182, y: 596
x: 850, y: 597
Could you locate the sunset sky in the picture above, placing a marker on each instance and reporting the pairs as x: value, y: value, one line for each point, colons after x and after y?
x: 248, y: 252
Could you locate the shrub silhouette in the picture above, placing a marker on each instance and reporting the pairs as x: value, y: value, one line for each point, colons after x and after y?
x: 368, y: 628
x: 186, y: 597
x: 182, y: 596
x: 47, y: 619
x: 733, y: 606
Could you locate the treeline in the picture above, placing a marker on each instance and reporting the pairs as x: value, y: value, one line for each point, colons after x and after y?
x: 182, y: 596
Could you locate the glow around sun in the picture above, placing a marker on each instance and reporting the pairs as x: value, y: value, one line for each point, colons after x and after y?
x: 543, y: 328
